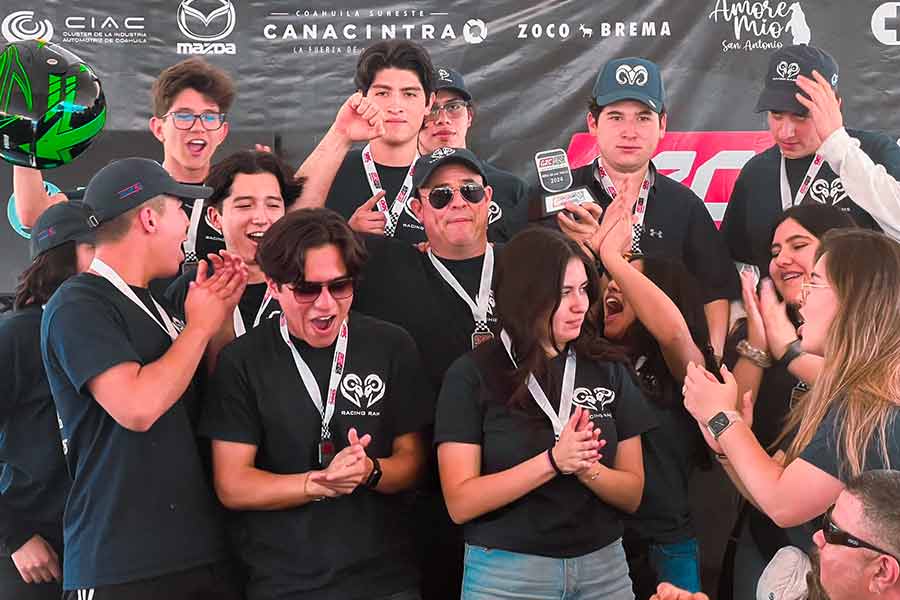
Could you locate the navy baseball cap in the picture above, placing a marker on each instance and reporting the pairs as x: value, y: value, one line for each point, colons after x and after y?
x: 427, y: 164
x: 630, y: 79
x: 781, y: 77
x: 61, y: 223
x: 446, y: 78
x: 125, y: 184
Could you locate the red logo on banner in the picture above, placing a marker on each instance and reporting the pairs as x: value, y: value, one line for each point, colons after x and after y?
x: 708, y: 162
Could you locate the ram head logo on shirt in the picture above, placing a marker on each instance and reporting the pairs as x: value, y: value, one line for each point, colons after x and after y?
x: 596, y: 400
x: 362, y: 392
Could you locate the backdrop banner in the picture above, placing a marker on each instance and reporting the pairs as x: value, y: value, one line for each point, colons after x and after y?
x: 530, y: 67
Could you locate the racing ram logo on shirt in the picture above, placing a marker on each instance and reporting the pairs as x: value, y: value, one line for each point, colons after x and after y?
x: 597, y: 400
x: 362, y: 393
x: 825, y: 192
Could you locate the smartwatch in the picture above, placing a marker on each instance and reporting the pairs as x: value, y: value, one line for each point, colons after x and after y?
x: 793, y: 351
x: 722, y: 421
x: 375, y: 475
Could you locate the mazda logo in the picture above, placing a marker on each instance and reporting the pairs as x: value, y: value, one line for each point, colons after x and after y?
x: 206, y: 26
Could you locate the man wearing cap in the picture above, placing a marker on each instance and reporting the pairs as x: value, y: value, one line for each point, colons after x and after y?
x: 814, y: 159
x: 627, y: 116
x: 447, y: 125
x: 141, y: 516
x: 36, y: 483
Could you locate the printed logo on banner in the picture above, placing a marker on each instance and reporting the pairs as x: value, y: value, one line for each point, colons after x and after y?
x: 104, y: 29
x: 362, y: 393
x: 886, y: 23
x: 628, y: 75
x: 23, y: 25
x: 207, y: 23
x: 474, y: 31
x: 761, y: 25
x: 564, y: 31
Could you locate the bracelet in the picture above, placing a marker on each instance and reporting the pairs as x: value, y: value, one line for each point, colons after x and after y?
x: 792, y: 352
x: 553, y: 462
x: 760, y: 358
x: 595, y: 475
x: 306, y: 493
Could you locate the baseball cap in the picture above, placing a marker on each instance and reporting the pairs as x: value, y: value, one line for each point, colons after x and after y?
x: 61, y: 223
x: 785, y: 65
x: 630, y: 79
x: 784, y: 578
x: 427, y: 164
x: 125, y: 184
x: 446, y: 78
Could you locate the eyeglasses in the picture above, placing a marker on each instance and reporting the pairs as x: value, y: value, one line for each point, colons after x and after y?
x: 454, y: 109
x: 805, y: 287
x: 440, y: 197
x: 307, y: 292
x: 838, y: 537
x: 211, y: 121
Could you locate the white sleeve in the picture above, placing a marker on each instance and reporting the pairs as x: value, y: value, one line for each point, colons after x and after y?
x: 868, y: 184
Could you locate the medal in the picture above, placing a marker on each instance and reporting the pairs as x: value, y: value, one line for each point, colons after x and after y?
x: 481, y: 304
x: 481, y: 335
x: 325, y: 453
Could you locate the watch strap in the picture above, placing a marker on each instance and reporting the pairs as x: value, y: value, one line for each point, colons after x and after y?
x: 794, y: 350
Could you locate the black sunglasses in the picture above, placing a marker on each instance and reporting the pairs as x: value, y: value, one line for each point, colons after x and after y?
x: 306, y: 292
x: 838, y: 537
x: 440, y: 197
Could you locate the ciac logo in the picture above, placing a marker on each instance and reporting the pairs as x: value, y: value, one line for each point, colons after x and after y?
x: 206, y: 22
x: 22, y: 25
x: 628, y: 75
x: 474, y: 31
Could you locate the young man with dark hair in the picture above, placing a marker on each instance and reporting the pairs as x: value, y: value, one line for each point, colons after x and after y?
x: 446, y: 126
x: 190, y: 101
x: 814, y: 159
x: 627, y: 116
x: 140, y: 516
x: 394, y: 93
x: 316, y: 423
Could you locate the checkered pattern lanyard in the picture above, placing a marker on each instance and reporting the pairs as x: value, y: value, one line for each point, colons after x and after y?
x: 391, y: 213
x: 640, y: 207
x: 811, y: 173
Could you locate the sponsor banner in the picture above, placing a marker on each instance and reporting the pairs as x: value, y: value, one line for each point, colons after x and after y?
x: 76, y: 27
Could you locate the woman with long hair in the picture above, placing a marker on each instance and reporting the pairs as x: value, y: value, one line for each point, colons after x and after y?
x: 33, y: 472
x: 847, y: 423
x: 538, y: 436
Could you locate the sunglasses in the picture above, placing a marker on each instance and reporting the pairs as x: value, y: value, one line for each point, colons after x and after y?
x: 838, y: 537
x: 440, y: 197
x: 307, y: 292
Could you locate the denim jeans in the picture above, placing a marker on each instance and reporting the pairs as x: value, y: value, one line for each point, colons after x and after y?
x: 678, y: 563
x: 492, y: 573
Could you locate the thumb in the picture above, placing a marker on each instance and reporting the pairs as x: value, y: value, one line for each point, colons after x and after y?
x: 747, y: 402
x: 352, y: 436
x: 727, y: 377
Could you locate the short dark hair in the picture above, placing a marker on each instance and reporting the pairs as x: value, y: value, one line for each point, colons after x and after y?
x: 118, y: 227
x: 878, y: 491
x: 595, y: 110
x: 817, y: 219
x: 47, y: 272
x: 196, y: 74
x: 282, y: 252
x: 250, y: 162
x: 397, y: 54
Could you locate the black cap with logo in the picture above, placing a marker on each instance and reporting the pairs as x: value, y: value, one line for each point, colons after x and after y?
x: 125, y: 184
x: 61, y: 223
x: 446, y: 78
x: 630, y: 79
x: 427, y: 164
x: 781, y: 77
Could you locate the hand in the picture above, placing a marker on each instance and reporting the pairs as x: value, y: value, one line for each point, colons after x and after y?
x: 756, y: 327
x: 228, y: 260
x: 211, y: 299
x: 37, y: 562
x: 366, y: 220
x: 780, y: 332
x: 617, y: 232
x: 359, y: 119
x: 584, y: 226
x: 823, y: 104
x: 577, y: 448
x: 423, y: 247
x: 262, y: 148
x: 705, y: 397
x: 667, y: 591
x: 349, y: 468
x: 617, y: 211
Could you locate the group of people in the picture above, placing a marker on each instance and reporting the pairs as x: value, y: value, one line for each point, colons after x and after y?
x: 371, y: 378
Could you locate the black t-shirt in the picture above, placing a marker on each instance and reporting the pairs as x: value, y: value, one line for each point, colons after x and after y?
x: 671, y: 451
x: 209, y: 239
x: 509, y: 206
x: 140, y: 505
x: 355, y: 546
x: 33, y: 477
x: 561, y: 518
x: 351, y: 188
x: 677, y: 226
x: 755, y: 202
x: 250, y: 304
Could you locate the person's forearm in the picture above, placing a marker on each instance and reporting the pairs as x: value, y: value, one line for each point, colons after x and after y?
x: 320, y: 168
x: 222, y: 338
x: 400, y: 471
x: 254, y: 489
x: 621, y: 489
x: 485, y: 493
x: 748, y: 376
x: 31, y: 196
x: 15, y: 528
x: 717, y: 321
x: 806, y: 367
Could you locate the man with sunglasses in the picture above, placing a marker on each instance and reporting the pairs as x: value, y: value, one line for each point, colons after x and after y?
x: 316, y: 420
x: 447, y: 125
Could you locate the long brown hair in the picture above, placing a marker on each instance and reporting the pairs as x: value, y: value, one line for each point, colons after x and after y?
x: 528, y: 279
x: 861, y: 375
x: 46, y: 273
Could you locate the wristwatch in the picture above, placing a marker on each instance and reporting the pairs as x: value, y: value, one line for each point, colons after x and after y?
x: 375, y: 475
x: 722, y: 421
x: 793, y: 351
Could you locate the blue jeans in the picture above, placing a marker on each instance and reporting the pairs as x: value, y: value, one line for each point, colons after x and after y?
x: 491, y: 573
x: 678, y: 563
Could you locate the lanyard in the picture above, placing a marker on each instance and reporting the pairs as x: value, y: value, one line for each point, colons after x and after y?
x: 104, y: 270
x: 479, y: 307
x: 811, y: 173
x: 239, y: 327
x: 640, y: 207
x: 309, y: 380
x: 565, y: 395
x: 190, y: 244
x: 392, y: 213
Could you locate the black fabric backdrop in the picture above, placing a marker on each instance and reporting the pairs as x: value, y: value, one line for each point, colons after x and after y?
x: 530, y: 67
